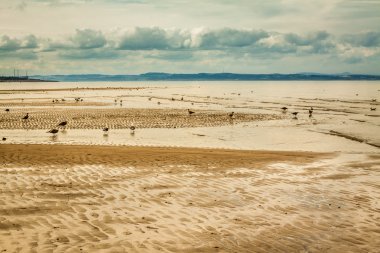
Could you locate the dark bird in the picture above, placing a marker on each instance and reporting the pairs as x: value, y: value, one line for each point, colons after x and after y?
x: 373, y: 100
x: 295, y: 114
x: 132, y: 128
x: 149, y: 99
x: 4, y: 139
x: 7, y: 110
x: 181, y: 98
x: 62, y: 124
x: 310, y: 112
x: 190, y: 112
x: 53, y: 131
x: 231, y: 115
x: 373, y: 108
x: 284, y: 108
x: 26, y: 116
x: 105, y: 129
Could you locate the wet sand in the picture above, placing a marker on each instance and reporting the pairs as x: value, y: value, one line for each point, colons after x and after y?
x: 122, y: 118
x: 134, y: 199
x: 89, y: 192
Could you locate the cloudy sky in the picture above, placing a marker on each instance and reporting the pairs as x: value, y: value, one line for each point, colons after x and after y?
x: 189, y: 36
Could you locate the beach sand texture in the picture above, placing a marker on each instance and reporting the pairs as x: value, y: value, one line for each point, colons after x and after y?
x: 83, y: 190
x: 57, y: 198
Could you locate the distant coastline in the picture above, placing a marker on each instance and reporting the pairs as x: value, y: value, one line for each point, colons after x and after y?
x: 154, y: 76
x: 23, y: 79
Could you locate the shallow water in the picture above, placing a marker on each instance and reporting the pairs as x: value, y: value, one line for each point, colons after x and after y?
x: 339, y: 106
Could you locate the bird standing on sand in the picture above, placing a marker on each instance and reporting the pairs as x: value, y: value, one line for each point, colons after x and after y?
x: 53, y: 131
x: 231, y: 115
x: 310, y: 112
x: 190, y: 112
x: 26, y: 116
x: 295, y: 114
x: 284, y: 109
x: 132, y: 128
x: 62, y: 124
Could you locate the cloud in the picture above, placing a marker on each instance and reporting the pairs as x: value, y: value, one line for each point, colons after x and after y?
x: 14, y: 44
x: 368, y: 39
x: 89, y: 54
x: 88, y: 39
x: 228, y: 37
x: 189, y: 48
x: 145, y: 39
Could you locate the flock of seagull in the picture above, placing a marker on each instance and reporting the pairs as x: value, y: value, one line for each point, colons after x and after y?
x: 285, y: 109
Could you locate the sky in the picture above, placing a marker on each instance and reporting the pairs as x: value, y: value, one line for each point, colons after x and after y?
x: 189, y: 36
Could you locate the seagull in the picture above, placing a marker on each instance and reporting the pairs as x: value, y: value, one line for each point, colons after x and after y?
x: 62, y: 124
x: 190, y: 112
x: 53, y: 131
x: 26, y: 116
x: 7, y: 110
x: 311, y: 112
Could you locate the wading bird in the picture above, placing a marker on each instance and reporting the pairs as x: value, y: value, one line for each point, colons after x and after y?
x: 53, y: 131
x: 62, y: 124
x: 132, y: 128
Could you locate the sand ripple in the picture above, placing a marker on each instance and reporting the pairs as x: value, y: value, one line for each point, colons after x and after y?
x: 130, y: 199
x: 121, y: 118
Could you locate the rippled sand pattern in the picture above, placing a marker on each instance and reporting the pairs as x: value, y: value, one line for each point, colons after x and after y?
x: 121, y: 118
x: 130, y: 199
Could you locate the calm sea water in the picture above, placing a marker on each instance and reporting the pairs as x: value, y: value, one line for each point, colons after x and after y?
x: 268, y: 89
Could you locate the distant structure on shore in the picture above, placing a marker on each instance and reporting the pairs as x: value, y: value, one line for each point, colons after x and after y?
x: 19, y: 78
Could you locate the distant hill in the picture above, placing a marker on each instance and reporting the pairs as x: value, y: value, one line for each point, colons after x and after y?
x: 156, y: 76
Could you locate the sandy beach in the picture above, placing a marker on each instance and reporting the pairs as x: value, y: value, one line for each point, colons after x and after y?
x: 133, y: 199
x: 259, y: 181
